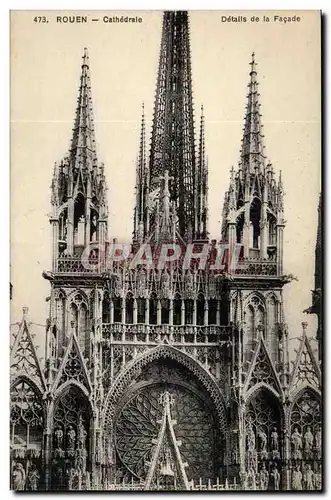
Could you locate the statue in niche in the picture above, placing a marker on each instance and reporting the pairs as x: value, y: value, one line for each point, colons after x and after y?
x: 263, y: 478
x: 141, y: 284
x: 318, y: 444
x: 296, y: 440
x: 33, y: 478
x: 308, y: 440
x: 71, y: 436
x: 19, y: 477
x: 274, y: 440
x: 165, y: 284
x: 250, y: 437
x: 58, y: 438
x: 275, y: 478
x: 297, y: 479
x: 81, y: 433
x: 318, y: 479
x: 309, y: 478
x: 263, y: 443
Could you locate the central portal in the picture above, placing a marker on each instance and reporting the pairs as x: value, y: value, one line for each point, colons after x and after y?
x: 139, y: 420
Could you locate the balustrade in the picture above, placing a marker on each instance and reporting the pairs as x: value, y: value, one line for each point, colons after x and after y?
x: 142, y: 333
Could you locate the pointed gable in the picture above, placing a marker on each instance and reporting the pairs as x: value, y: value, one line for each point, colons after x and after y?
x: 23, y: 358
x: 262, y: 369
x: 73, y: 367
x: 166, y: 459
x: 306, y: 369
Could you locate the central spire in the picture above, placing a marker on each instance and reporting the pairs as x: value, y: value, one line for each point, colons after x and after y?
x: 172, y: 142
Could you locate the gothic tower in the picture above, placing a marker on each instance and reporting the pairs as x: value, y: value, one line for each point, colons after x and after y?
x: 79, y: 230
x: 253, y: 218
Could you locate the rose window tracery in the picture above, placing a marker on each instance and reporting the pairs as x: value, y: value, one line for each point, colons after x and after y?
x: 138, y: 425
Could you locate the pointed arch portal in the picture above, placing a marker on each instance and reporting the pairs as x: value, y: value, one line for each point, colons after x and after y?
x: 133, y: 424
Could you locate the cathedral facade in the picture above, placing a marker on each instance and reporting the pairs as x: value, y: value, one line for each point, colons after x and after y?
x: 162, y: 373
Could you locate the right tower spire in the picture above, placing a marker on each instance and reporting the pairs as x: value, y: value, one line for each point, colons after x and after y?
x: 253, y: 213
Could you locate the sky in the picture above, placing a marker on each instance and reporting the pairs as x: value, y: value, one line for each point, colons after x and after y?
x: 45, y: 70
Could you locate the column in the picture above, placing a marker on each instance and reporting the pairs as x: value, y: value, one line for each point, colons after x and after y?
x: 171, y: 312
x: 135, y: 312
x: 194, y: 320
x: 280, y: 238
x: 147, y: 312
x: 111, y: 310
x: 218, y: 313
x: 70, y: 228
x: 55, y: 246
x: 158, y: 313
x: 182, y: 317
x: 123, y: 316
x: 205, y: 318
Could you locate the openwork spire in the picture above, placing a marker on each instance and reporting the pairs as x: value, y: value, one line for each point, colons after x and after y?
x: 141, y: 182
x: 202, y: 182
x: 252, y: 142
x: 83, y: 146
x: 172, y: 144
x: 318, y: 252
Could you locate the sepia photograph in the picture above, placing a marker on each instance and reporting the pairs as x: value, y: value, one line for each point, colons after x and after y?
x: 166, y: 329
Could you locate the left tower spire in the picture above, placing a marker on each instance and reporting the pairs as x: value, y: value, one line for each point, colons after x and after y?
x: 83, y: 146
x: 79, y: 186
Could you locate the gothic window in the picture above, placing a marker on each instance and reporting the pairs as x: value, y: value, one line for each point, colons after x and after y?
x: 306, y: 412
x: 82, y: 330
x: 177, y: 309
x: 255, y: 216
x: 153, y: 309
x: 70, y: 436
x: 272, y: 335
x: 250, y: 327
x: 26, y: 428
x: 117, y: 309
x: 188, y: 311
x: 78, y: 322
x: 79, y: 220
x: 93, y: 225
x: 63, y: 226
x: 200, y: 309
x: 239, y: 228
x: 129, y: 309
x: 263, y: 413
x: 212, y: 312
x: 60, y: 316
x: 272, y: 231
x: 106, y: 309
x: 165, y: 311
x: 54, y: 342
x: 73, y: 317
x: 26, y: 418
x: 141, y: 308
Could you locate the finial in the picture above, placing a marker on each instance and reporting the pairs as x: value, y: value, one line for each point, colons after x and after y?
x: 85, y: 57
x: 25, y: 311
x: 280, y: 182
x: 253, y: 63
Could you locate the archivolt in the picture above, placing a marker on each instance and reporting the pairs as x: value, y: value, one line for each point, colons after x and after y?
x: 135, y: 368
